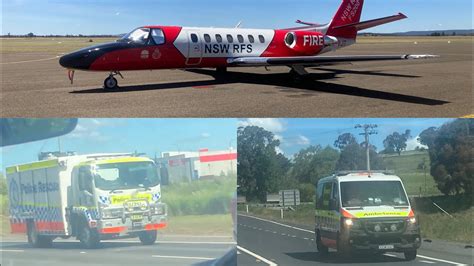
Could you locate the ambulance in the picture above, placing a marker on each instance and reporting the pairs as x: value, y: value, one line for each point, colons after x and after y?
x: 90, y: 197
x: 361, y: 211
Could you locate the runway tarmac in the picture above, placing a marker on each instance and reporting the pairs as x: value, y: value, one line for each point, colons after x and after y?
x: 279, y: 244
x: 34, y: 85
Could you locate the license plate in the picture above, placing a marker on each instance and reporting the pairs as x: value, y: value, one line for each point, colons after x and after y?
x: 137, y: 224
x: 136, y: 217
x: 386, y: 247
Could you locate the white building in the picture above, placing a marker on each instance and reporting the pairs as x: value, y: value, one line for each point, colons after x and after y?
x: 186, y: 166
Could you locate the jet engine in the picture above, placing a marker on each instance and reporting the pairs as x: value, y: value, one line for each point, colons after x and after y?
x: 308, y: 42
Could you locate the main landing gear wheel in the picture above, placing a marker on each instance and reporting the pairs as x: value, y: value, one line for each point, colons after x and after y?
x: 111, y: 83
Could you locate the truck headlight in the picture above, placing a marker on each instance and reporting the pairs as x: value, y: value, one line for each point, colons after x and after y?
x: 158, y: 209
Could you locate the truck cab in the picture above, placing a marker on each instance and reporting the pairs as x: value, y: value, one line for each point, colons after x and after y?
x: 361, y: 211
x: 115, y: 198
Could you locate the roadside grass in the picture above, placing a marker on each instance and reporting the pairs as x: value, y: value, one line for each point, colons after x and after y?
x: 414, y: 179
x: 441, y: 226
x: 48, y: 45
x: 200, y: 197
x: 205, y: 225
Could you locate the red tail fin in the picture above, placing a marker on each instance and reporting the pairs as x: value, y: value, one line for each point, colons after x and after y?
x: 349, y: 12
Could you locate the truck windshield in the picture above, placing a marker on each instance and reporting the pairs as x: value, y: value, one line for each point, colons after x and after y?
x: 373, y: 193
x: 126, y: 175
x: 139, y: 36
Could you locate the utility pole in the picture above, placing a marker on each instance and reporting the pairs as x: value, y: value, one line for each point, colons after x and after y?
x: 369, y: 129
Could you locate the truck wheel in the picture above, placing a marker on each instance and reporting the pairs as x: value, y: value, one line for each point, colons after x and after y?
x: 89, y: 237
x: 410, y: 255
x: 322, y: 249
x: 148, y: 237
x: 36, y: 240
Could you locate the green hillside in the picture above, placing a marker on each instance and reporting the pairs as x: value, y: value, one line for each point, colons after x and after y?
x: 414, y: 179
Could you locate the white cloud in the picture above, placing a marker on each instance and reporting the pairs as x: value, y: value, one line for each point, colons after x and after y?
x: 302, y: 140
x: 117, y: 14
x: 274, y: 125
x: 205, y: 135
x: 279, y: 151
x: 413, y: 143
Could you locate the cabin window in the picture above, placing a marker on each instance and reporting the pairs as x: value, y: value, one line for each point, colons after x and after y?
x: 207, y: 38
x: 240, y: 38
x: 158, y: 36
x: 194, y: 38
x: 230, y: 39
x: 218, y: 38
x: 261, y: 38
x: 251, y: 39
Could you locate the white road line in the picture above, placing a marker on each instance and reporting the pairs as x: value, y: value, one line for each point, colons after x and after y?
x: 440, y: 260
x: 270, y: 263
x: 427, y: 261
x: 179, y: 242
x: 265, y: 220
x: 11, y: 250
x: 197, y: 242
x: 181, y: 257
x: 30, y: 61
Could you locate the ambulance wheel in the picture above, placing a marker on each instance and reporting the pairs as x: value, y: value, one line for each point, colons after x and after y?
x: 322, y: 249
x: 148, y: 237
x: 110, y: 84
x: 410, y: 255
x: 37, y: 240
x: 89, y: 237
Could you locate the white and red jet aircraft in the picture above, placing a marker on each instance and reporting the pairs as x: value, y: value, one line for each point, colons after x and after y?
x: 171, y: 47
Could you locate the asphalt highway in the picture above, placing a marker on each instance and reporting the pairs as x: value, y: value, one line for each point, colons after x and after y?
x: 35, y: 85
x: 182, y: 250
x: 273, y: 243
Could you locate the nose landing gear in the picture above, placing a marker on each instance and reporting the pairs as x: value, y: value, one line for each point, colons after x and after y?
x: 111, y: 83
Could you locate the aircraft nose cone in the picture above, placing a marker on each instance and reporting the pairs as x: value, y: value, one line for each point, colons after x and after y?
x: 77, y: 60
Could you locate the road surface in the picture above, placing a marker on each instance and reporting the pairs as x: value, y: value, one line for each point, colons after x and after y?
x: 281, y: 244
x: 182, y: 250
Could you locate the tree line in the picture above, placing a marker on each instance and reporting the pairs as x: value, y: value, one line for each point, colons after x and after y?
x: 262, y: 170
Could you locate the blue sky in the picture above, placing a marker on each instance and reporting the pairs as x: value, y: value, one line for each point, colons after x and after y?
x: 129, y: 135
x: 120, y: 16
x: 296, y: 134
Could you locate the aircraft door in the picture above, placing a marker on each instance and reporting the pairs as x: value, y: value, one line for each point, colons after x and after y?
x: 195, y: 48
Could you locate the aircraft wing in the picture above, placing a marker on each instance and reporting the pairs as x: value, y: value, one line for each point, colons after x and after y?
x: 318, y: 60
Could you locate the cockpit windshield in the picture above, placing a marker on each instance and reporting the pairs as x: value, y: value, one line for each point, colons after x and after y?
x: 139, y: 36
x: 126, y: 175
